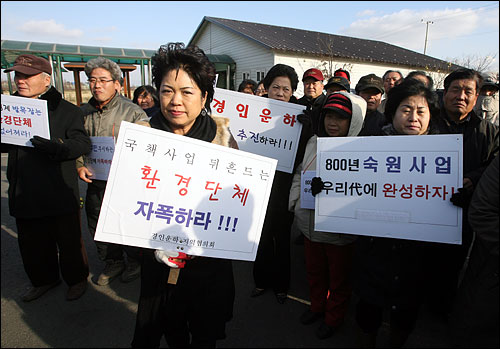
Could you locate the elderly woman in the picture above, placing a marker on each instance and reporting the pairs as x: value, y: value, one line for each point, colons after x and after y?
x: 389, y: 273
x: 272, y: 264
x: 146, y: 97
x: 194, y: 311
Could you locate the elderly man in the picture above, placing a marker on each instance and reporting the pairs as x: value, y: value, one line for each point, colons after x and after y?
x: 313, y: 98
x: 43, y: 188
x: 480, y: 146
x: 390, y: 78
x: 370, y: 88
x: 103, y: 115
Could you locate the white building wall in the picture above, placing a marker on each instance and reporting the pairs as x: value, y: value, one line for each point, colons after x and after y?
x: 249, y: 56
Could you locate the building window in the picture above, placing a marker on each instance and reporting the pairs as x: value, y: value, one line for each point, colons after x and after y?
x: 246, y: 75
x: 260, y: 75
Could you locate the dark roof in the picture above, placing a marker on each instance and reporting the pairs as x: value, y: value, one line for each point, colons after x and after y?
x: 316, y: 43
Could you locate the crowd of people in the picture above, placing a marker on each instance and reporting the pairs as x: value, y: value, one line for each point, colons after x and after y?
x: 386, y: 274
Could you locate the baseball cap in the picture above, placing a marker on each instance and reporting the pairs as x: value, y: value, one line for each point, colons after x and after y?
x: 338, y: 80
x: 313, y: 73
x: 370, y: 81
x: 30, y: 65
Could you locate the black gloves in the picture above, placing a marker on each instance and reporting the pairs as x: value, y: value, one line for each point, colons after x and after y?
x: 305, y: 118
x: 47, y: 146
x: 462, y: 198
x: 317, y: 185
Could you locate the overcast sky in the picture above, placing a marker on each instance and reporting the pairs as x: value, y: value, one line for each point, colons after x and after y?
x: 458, y: 29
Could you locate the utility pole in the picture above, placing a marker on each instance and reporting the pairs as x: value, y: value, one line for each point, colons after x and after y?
x: 426, y: 31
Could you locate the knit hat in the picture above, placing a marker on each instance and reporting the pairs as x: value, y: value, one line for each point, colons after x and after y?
x: 338, y: 103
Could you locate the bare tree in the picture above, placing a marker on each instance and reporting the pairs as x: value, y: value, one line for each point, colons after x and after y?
x: 329, y: 62
x: 475, y: 61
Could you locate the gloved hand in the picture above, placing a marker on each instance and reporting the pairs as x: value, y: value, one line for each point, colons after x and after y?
x: 305, y: 118
x: 462, y: 198
x: 46, y: 145
x: 317, y: 185
x: 173, y: 259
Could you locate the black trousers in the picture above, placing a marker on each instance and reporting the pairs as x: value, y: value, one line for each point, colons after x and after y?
x: 369, y: 317
x: 50, y: 244
x: 106, y: 251
x: 271, y: 268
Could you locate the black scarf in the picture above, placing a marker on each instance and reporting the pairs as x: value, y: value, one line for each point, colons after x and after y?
x: 204, y: 127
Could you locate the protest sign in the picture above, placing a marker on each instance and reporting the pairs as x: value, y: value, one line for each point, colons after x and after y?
x: 260, y: 125
x: 23, y: 118
x: 306, y: 197
x: 98, y: 161
x: 394, y: 186
x: 172, y: 192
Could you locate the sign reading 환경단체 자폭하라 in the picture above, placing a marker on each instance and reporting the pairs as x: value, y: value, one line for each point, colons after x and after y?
x: 261, y: 126
x: 392, y: 186
x: 172, y: 192
x: 23, y: 118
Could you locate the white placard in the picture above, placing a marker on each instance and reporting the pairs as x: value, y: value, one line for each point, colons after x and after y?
x: 23, y: 118
x: 173, y: 192
x: 261, y: 125
x: 391, y: 186
x: 98, y: 161
x: 306, y: 196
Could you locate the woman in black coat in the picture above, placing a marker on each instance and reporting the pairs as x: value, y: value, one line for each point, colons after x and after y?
x: 192, y: 310
x: 389, y: 273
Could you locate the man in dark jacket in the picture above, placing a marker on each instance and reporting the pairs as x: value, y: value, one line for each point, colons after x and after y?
x: 43, y: 188
x: 371, y: 88
x: 314, y: 97
x: 480, y: 146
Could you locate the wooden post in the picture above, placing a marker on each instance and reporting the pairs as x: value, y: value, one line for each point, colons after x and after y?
x: 78, y: 88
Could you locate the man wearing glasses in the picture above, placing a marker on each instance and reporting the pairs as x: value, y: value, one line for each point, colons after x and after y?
x: 103, y: 115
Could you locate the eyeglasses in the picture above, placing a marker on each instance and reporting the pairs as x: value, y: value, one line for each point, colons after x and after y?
x: 92, y: 81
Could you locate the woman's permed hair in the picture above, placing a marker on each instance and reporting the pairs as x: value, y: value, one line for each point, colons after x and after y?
x: 191, y: 59
x: 149, y: 89
x: 104, y: 63
x: 281, y: 70
x: 409, y: 88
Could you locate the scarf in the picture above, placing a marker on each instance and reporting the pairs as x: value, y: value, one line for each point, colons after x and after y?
x: 204, y: 127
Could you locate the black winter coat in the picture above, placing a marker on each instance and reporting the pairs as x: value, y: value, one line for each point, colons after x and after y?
x: 480, y: 142
x: 41, y: 185
x: 390, y: 273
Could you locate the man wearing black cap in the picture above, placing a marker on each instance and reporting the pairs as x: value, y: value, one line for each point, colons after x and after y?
x: 313, y: 97
x: 43, y: 187
x: 337, y: 84
x: 371, y: 88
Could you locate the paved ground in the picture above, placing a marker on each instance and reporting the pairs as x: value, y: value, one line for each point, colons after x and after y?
x: 105, y: 316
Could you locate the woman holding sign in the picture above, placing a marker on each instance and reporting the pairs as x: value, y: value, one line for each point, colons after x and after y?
x: 389, y: 273
x: 272, y: 264
x: 190, y: 307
